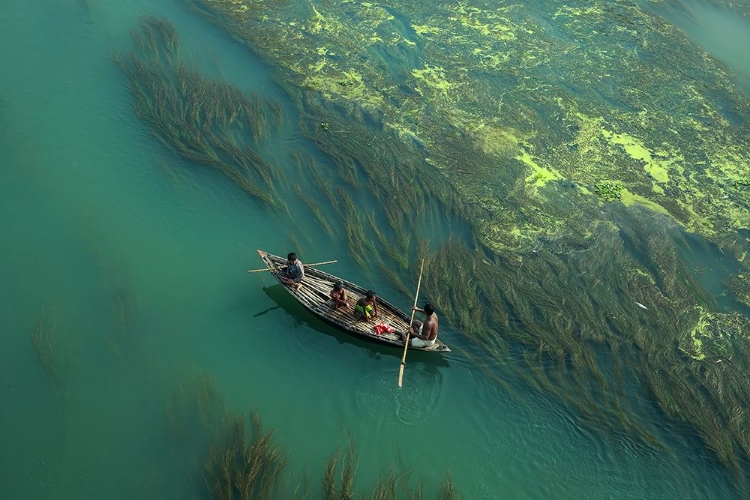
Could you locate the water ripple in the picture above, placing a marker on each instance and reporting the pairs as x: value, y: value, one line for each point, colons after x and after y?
x: 379, y: 395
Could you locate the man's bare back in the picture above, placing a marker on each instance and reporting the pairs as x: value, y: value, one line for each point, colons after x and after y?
x: 424, y: 333
x: 430, y: 327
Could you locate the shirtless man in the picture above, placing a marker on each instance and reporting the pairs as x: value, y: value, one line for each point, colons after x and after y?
x: 424, y: 334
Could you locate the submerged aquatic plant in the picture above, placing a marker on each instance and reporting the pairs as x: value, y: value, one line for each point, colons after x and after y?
x: 242, y: 465
x: 53, y: 345
x: 393, y: 484
x: 44, y: 339
x: 242, y: 461
x: 341, y: 484
x: 208, y: 121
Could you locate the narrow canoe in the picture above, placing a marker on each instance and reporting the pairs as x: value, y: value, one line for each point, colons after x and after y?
x: 314, y: 295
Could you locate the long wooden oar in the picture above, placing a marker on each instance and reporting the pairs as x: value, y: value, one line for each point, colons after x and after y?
x: 282, y: 267
x: 408, y: 332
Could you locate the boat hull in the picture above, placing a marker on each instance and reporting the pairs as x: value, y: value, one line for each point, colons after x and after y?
x: 314, y: 296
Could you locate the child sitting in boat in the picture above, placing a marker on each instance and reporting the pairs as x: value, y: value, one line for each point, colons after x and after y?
x: 367, y: 306
x: 338, y: 296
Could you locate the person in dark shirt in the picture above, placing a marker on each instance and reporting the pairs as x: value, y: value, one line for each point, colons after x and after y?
x: 294, y: 272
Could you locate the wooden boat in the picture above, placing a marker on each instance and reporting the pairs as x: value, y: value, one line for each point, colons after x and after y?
x: 314, y: 295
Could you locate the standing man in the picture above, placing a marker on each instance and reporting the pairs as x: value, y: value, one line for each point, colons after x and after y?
x: 424, y: 334
x: 294, y: 272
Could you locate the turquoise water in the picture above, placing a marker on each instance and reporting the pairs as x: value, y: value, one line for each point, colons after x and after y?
x: 720, y: 30
x: 135, y: 262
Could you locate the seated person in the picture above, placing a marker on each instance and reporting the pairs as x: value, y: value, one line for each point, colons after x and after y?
x: 367, y: 306
x: 338, y: 296
x: 294, y: 272
x: 424, y: 334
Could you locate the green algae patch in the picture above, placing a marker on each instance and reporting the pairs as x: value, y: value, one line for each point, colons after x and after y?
x: 696, y: 222
x: 629, y: 199
x: 730, y: 168
x: 348, y: 85
x: 484, y: 22
x: 376, y: 14
x: 511, y: 238
x: 319, y: 23
x: 423, y: 29
x: 234, y: 6
x: 488, y: 58
x: 567, y: 11
x: 694, y: 345
x: 407, y: 135
x: 740, y: 287
x: 539, y: 175
x: 497, y: 141
x: 712, y: 336
x: 637, y: 151
x: 433, y: 77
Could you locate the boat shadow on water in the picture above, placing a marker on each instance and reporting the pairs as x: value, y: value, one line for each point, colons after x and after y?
x: 301, y: 315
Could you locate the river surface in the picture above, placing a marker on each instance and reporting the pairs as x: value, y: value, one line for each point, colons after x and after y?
x: 132, y: 263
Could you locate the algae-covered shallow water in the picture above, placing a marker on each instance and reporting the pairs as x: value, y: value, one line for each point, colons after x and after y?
x: 127, y: 315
